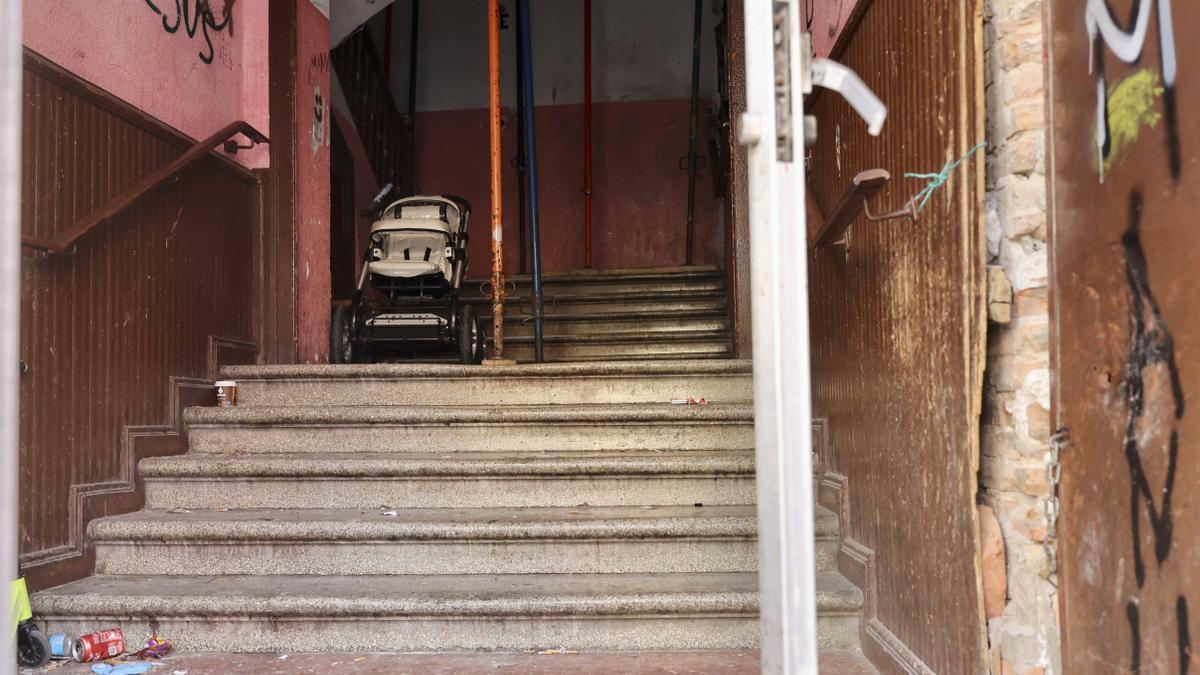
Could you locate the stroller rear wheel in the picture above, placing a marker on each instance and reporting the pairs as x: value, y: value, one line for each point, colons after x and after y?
x: 470, y: 336
x: 341, y: 349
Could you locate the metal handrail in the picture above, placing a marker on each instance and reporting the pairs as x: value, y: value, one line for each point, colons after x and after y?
x: 64, y: 241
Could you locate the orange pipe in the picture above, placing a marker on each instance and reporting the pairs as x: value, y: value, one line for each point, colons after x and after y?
x: 587, y: 133
x: 496, y: 187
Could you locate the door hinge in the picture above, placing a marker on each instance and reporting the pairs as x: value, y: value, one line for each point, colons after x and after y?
x: 782, y: 36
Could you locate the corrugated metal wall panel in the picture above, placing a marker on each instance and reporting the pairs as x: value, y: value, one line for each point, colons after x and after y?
x: 897, y: 327
x: 103, y: 329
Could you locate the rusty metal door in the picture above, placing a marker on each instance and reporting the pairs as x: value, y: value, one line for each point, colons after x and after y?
x: 1125, y: 185
x: 899, y: 331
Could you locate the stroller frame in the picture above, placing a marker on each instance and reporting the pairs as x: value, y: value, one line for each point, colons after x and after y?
x: 410, y: 313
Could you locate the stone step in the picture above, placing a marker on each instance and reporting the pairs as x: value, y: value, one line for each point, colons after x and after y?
x: 562, y: 540
x: 446, y: 480
x: 725, y: 381
x: 607, y: 323
x: 518, y: 305
x: 438, y: 613
x: 370, y: 429
x: 623, y: 346
x: 685, y: 279
x: 461, y: 541
x: 525, y: 355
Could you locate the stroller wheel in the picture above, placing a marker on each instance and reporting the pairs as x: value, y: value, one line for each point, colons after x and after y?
x: 469, y: 335
x: 481, y: 336
x: 33, y: 648
x: 341, y: 349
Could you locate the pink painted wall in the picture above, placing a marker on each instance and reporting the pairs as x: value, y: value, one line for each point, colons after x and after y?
x: 640, y: 192
x: 122, y: 47
x: 365, y: 184
x: 828, y: 21
x: 313, y: 119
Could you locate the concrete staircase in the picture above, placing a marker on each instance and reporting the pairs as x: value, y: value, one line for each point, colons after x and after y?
x: 439, y: 507
x: 590, y: 315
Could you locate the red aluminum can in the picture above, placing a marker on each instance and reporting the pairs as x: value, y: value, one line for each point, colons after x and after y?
x: 98, y: 646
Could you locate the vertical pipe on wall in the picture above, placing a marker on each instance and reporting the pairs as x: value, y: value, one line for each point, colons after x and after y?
x: 414, y: 31
x: 389, y: 16
x: 587, y: 133
x: 693, y: 130
x: 496, y: 184
x: 519, y: 161
x: 10, y: 319
x: 526, y: 66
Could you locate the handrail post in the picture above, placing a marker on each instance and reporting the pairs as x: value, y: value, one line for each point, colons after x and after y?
x: 694, y: 124
x: 496, y: 186
x: 519, y: 161
x: 535, y: 251
x: 587, y: 134
x: 410, y: 180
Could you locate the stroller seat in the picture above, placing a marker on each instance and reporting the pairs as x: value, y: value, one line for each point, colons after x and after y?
x: 404, y: 249
x: 414, y: 240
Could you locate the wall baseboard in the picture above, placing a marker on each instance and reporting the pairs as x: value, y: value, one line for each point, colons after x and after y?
x: 89, y: 501
x: 223, y: 351
x: 887, y: 652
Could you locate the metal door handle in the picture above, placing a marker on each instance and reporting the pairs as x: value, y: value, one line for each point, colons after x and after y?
x: 833, y: 75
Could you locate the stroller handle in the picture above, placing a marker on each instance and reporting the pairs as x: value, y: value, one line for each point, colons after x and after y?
x: 460, y: 204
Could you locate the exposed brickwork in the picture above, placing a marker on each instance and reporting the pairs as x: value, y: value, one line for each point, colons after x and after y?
x: 1016, y: 423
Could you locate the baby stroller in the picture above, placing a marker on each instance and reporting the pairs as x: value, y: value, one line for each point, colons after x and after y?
x: 416, y: 261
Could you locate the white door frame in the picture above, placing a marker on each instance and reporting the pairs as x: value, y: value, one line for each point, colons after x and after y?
x: 780, y: 71
x: 779, y: 313
x: 10, y: 306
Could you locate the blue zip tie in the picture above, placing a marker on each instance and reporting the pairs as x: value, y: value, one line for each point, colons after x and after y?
x: 937, y: 180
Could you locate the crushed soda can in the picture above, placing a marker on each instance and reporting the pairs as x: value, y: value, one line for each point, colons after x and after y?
x: 689, y: 401
x: 98, y: 646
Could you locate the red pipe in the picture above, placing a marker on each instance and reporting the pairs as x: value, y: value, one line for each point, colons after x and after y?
x: 587, y: 133
x: 496, y: 186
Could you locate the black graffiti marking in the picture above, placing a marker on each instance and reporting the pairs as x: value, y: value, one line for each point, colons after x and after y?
x: 1151, y: 347
x: 196, y: 18
x: 1135, y: 629
x: 1174, y: 150
x: 1184, y: 635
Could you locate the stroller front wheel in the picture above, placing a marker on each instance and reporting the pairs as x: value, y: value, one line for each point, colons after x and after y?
x: 341, y: 347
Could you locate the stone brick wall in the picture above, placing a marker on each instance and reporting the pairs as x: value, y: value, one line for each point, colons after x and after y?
x: 1022, y: 611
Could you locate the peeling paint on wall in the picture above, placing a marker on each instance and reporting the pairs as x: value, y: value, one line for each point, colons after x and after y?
x: 318, y: 122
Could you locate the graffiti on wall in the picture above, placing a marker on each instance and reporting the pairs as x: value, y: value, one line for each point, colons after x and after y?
x: 197, y: 18
x: 318, y: 67
x: 1129, y: 106
x: 1155, y: 401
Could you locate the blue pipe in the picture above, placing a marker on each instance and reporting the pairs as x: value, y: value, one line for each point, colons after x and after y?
x: 535, y: 253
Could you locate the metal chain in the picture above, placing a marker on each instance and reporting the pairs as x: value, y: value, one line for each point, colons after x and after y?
x: 1060, y: 440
